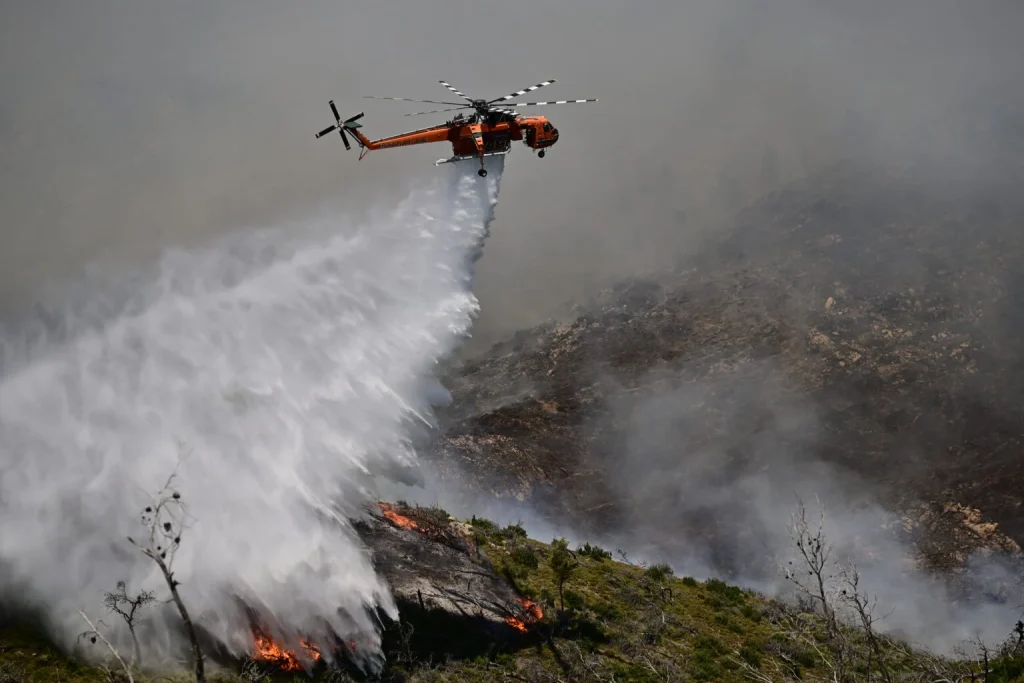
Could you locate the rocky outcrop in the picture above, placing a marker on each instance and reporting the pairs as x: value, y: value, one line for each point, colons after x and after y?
x: 434, y: 563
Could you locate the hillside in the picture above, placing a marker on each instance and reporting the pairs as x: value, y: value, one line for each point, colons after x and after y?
x: 852, y: 336
x: 609, y: 620
x: 855, y: 333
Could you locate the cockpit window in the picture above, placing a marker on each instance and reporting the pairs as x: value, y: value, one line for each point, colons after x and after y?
x: 547, y: 127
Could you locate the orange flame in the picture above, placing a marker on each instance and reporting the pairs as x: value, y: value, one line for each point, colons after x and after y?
x: 398, y: 520
x: 266, y: 650
x: 533, y: 614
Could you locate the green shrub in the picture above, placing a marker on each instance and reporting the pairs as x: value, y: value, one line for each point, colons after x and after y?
x: 728, y: 622
x: 751, y: 612
x: 715, y: 602
x: 593, y: 552
x: 710, y: 644
x: 608, y: 611
x: 514, y: 531
x: 719, y: 587
x: 658, y: 572
x: 704, y: 662
x: 751, y: 654
x: 482, y: 524
x: 524, y: 556
x: 574, y: 600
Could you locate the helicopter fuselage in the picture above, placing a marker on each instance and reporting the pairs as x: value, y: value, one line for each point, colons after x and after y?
x: 469, y: 136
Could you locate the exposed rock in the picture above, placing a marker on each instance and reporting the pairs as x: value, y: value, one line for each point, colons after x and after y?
x: 911, y: 369
x: 436, y: 565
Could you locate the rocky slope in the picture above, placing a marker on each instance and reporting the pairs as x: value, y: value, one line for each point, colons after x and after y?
x: 857, y: 332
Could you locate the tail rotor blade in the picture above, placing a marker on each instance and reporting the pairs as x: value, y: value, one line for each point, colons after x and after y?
x: 325, y: 131
x: 340, y: 126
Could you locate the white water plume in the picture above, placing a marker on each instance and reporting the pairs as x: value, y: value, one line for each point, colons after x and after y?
x: 290, y: 363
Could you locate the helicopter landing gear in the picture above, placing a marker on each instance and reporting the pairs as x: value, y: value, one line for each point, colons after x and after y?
x: 541, y: 154
x: 482, y: 173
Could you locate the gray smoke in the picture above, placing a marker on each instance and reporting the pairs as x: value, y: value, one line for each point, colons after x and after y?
x: 290, y: 362
x: 709, y: 472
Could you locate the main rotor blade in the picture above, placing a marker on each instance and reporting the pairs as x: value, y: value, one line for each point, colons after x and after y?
x: 436, y: 111
x: 345, y: 139
x: 449, y: 86
x: 334, y: 109
x: 542, y: 104
x: 518, y: 93
x: 406, y: 99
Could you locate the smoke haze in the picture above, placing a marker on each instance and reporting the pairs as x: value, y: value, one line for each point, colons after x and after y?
x: 124, y: 126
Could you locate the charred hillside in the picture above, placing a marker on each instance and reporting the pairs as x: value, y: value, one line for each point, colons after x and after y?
x: 857, y: 331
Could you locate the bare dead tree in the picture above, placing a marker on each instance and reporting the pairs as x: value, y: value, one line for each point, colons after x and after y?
x: 932, y: 669
x: 127, y: 606
x: 164, y: 520
x: 985, y: 656
x: 94, y: 634
x: 864, y: 607
x: 815, y: 579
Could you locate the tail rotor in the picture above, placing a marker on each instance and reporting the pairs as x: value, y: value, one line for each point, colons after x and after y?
x: 340, y: 126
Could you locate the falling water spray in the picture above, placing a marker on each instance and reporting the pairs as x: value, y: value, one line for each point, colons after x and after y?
x: 278, y: 372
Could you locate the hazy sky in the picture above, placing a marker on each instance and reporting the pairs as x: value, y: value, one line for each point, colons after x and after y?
x: 127, y: 125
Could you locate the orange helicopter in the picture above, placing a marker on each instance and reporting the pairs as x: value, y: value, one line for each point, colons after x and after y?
x: 488, y: 131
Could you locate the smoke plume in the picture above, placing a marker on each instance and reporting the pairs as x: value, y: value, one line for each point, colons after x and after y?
x: 278, y: 372
x: 721, y: 506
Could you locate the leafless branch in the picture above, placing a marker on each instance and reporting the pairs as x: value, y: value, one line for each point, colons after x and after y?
x: 126, y: 606
x: 94, y: 634
x: 164, y: 520
x: 815, y: 580
x: 863, y: 607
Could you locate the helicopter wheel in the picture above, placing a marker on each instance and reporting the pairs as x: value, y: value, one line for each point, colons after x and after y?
x: 541, y: 154
x: 482, y: 172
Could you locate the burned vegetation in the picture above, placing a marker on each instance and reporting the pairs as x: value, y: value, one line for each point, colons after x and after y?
x: 866, y: 319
